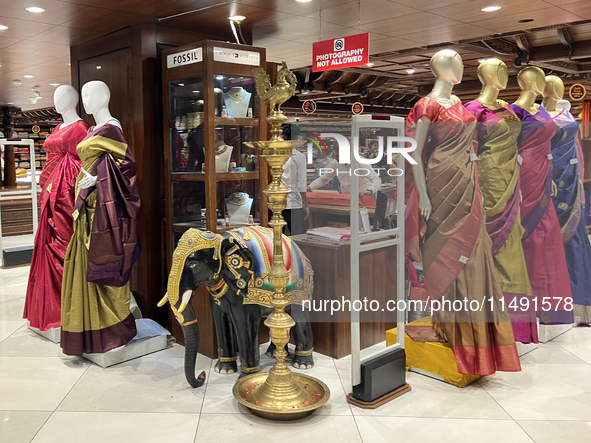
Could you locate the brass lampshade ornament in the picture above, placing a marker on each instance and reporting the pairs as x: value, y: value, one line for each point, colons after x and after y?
x: 278, y: 394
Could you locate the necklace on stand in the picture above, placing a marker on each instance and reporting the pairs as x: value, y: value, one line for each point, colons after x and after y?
x: 237, y: 96
x: 239, y: 198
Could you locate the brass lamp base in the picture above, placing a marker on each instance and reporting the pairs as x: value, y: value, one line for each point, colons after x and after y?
x: 276, y: 402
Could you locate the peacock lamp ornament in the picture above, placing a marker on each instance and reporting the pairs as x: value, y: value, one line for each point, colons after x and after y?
x: 278, y: 394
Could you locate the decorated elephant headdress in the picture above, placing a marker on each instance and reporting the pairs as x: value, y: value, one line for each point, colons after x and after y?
x: 192, y: 241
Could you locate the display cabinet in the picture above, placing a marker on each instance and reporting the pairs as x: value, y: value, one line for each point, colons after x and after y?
x: 210, y: 110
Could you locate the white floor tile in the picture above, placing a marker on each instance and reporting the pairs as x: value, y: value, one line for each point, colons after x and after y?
x: 543, y: 392
x: 9, y: 327
x: 551, y: 353
x: 176, y: 351
x: 21, y: 426
x: 577, y: 341
x: 248, y: 428
x: 440, y: 430
x: 26, y: 343
x: 558, y: 431
x: 112, y: 427
x: 140, y: 385
x: 37, y: 383
x: 437, y: 399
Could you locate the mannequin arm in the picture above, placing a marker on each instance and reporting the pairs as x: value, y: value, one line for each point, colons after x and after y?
x: 88, y: 181
x: 418, y: 170
x: 554, y: 189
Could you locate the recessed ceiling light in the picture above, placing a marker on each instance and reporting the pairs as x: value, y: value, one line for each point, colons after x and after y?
x: 54, y: 84
x: 35, y: 9
x: 410, y: 71
x: 181, y: 84
x: 10, y: 103
x: 3, y: 27
x: 303, y: 1
x: 370, y: 64
x: 99, y: 67
x: 219, y: 77
x: 491, y: 9
x: 28, y: 76
x: 525, y: 20
x: 236, y: 18
x: 195, y: 92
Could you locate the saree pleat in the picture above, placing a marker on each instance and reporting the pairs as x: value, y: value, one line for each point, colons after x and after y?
x: 498, y: 174
x: 542, y: 240
x: 566, y: 174
x: 456, y: 253
x: 96, y: 317
x: 56, y: 200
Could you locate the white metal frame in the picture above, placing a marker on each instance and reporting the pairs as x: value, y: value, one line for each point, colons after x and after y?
x: 21, y: 194
x: 397, y: 239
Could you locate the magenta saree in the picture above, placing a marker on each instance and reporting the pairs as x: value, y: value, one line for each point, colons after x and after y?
x: 542, y: 240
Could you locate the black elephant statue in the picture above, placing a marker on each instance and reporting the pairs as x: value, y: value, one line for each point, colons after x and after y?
x: 234, y: 267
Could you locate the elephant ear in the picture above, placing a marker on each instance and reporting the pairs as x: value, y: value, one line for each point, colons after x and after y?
x: 238, y: 264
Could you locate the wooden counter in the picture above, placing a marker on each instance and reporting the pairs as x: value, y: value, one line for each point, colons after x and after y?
x: 332, y: 270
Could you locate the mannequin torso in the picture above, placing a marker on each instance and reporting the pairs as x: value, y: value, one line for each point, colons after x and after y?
x: 236, y: 101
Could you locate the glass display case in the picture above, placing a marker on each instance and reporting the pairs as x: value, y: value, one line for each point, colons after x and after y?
x: 213, y: 180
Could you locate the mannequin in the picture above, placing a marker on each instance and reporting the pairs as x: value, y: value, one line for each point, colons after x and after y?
x: 237, y: 100
x: 498, y: 173
x: 542, y: 240
x: 456, y: 245
x: 567, y: 174
x: 239, y: 205
x: 57, y: 181
x: 95, y: 292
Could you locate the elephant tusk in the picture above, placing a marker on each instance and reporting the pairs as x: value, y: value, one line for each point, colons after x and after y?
x: 182, y: 307
x: 163, y: 301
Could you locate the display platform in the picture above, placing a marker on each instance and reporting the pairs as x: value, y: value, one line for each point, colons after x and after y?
x: 523, y: 349
x: 433, y: 359
x: 151, y: 337
x: 547, y: 333
x: 52, y: 334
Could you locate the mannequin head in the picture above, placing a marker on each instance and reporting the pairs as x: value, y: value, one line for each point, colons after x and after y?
x: 65, y: 98
x: 95, y: 96
x: 554, y: 88
x: 532, y: 79
x: 493, y: 72
x: 447, y: 65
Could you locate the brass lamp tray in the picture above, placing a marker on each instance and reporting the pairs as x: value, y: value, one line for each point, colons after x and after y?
x: 312, y: 396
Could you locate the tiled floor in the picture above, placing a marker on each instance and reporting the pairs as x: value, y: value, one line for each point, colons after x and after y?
x: 46, y: 397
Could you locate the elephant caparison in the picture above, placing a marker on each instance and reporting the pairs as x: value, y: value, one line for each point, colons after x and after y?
x: 234, y: 267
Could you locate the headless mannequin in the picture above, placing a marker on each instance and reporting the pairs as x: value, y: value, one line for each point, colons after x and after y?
x: 65, y: 99
x: 236, y: 101
x: 494, y: 75
x: 95, y: 98
x: 532, y: 82
x: 553, y: 91
x: 448, y: 68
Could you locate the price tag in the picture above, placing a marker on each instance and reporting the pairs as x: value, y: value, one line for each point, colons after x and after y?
x: 464, y: 259
x: 519, y: 159
x: 473, y: 157
x: 574, y: 161
x: 550, y: 157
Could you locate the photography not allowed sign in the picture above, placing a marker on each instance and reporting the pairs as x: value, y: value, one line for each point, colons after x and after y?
x: 338, y: 53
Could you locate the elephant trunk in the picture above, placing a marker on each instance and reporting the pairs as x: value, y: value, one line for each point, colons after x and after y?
x: 191, y: 333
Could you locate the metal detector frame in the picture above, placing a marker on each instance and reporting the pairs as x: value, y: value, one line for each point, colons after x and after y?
x: 397, y: 234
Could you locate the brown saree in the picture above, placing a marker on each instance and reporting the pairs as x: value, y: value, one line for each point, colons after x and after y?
x: 456, y: 252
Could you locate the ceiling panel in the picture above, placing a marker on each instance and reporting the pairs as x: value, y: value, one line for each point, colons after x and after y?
x: 371, y: 11
x: 542, y: 17
x: 400, y: 26
x: 470, y: 11
x: 56, y: 12
x: 448, y: 34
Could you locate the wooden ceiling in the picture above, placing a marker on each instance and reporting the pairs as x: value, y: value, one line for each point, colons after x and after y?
x: 402, y: 32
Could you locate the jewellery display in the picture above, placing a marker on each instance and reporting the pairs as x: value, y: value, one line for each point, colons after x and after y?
x: 239, y: 198
x: 236, y: 101
x: 239, y: 205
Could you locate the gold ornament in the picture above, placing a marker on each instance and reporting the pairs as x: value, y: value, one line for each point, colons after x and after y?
x: 239, y: 198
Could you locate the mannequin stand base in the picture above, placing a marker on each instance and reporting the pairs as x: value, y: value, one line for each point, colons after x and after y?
x: 550, y: 332
x: 380, y: 400
x: 151, y: 337
x: 52, y: 334
x: 524, y: 348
